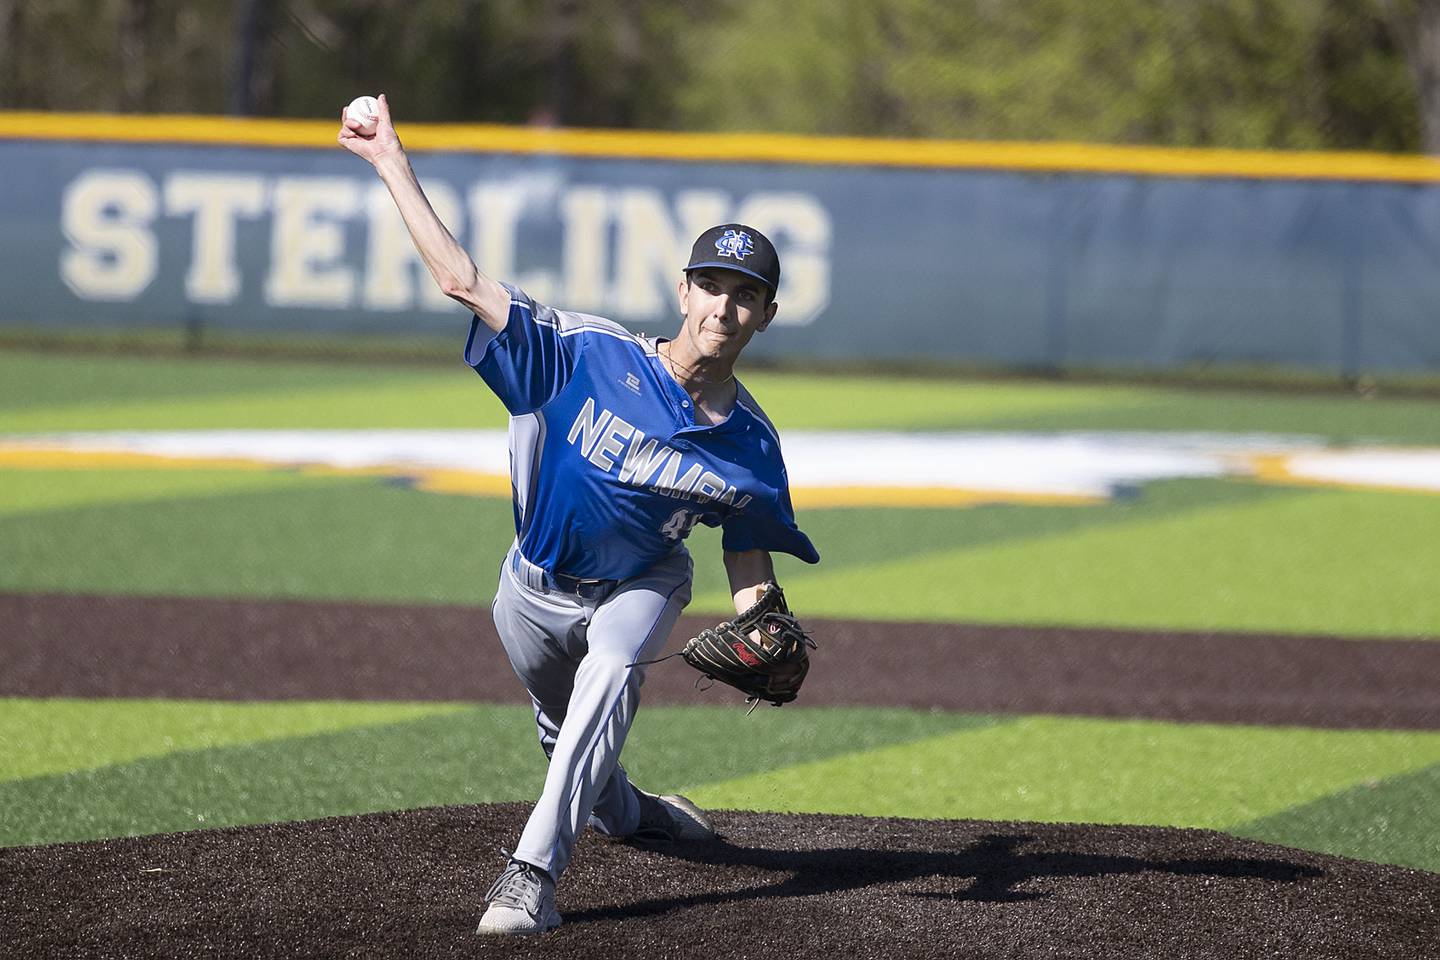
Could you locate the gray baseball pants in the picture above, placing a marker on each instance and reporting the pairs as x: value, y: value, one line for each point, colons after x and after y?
x: 574, y: 657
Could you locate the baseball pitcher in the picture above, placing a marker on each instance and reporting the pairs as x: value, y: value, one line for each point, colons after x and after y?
x: 619, y: 446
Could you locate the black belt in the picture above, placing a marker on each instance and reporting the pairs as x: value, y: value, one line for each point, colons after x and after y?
x: 581, y: 587
x: 538, y: 578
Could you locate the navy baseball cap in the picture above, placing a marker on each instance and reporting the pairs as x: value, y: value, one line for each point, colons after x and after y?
x: 735, y: 246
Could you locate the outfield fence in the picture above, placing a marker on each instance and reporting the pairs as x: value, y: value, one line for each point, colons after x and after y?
x: 1055, y: 257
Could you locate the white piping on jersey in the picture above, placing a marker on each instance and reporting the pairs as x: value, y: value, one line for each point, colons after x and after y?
x: 568, y: 329
x: 583, y: 327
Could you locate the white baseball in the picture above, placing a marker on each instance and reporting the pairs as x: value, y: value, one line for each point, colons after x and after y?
x: 366, y: 112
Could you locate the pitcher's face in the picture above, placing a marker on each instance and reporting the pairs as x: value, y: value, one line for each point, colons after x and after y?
x: 723, y: 309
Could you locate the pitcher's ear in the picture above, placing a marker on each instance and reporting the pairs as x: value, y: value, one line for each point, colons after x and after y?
x: 769, y: 314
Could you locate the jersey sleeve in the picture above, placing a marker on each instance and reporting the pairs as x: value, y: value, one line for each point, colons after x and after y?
x: 529, y: 362
x: 771, y: 529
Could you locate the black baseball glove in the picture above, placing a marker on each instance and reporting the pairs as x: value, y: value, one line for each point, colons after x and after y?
x: 764, y: 652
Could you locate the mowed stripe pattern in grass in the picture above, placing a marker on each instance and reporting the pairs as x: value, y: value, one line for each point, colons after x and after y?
x: 1350, y: 792
x: 1198, y: 555
x: 87, y: 769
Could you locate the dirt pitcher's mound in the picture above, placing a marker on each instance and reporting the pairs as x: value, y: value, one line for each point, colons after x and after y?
x: 409, y: 884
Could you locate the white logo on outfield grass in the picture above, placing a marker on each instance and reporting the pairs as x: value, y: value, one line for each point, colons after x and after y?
x: 826, y: 468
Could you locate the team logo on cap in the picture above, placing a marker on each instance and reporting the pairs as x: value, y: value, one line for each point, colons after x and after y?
x: 735, y: 243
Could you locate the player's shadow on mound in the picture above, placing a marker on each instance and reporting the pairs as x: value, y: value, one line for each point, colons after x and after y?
x: 992, y: 870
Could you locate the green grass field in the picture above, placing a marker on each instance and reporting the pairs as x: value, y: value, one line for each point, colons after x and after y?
x: 42, y: 392
x: 1184, y: 554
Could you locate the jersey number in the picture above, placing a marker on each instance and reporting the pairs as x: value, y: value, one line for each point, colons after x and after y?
x: 679, y: 524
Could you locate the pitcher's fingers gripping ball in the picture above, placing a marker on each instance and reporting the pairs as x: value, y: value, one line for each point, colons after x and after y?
x: 764, y: 652
x: 365, y: 111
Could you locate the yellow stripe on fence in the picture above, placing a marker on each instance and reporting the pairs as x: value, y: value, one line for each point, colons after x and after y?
x: 737, y: 147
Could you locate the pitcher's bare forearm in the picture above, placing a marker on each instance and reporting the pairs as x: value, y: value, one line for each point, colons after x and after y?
x: 749, y: 572
x: 448, y: 262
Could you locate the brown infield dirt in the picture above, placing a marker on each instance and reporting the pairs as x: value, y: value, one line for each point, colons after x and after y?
x: 57, y: 645
x: 409, y: 883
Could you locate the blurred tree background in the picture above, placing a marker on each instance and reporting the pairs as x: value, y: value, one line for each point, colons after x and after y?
x: 1285, y: 74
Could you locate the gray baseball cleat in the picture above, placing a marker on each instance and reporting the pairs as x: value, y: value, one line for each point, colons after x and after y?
x: 521, y: 901
x: 670, y: 818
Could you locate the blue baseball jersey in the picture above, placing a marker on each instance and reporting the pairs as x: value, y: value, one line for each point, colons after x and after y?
x: 608, y: 467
